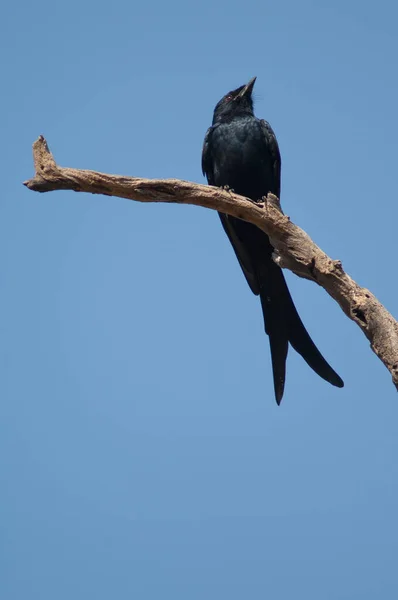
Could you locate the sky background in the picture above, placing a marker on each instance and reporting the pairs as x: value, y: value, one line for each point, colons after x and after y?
x: 142, y: 454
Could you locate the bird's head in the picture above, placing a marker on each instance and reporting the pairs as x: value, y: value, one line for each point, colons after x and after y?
x: 237, y: 102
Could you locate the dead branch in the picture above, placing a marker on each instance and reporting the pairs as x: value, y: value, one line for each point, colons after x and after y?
x: 294, y: 249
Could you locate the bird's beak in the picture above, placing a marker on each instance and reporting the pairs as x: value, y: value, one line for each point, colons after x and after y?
x: 247, y: 90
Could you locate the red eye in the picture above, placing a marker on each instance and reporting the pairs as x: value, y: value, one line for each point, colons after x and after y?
x: 228, y: 98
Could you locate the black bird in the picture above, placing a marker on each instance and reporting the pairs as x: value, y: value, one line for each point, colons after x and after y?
x: 241, y: 152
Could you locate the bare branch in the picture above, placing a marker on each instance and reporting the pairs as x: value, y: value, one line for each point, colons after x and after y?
x: 294, y: 249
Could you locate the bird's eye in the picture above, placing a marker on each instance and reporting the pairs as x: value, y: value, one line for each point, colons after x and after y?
x: 228, y: 98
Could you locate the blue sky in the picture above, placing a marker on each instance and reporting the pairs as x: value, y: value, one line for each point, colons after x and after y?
x: 142, y: 452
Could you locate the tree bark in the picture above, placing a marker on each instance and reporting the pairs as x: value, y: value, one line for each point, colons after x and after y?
x: 294, y: 249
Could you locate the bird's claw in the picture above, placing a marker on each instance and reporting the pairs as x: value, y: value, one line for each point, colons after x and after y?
x: 262, y: 203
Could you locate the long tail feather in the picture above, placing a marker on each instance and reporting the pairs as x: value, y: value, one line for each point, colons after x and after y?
x: 283, y: 325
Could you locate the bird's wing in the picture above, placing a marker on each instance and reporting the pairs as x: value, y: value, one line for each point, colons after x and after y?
x: 227, y: 222
x: 233, y: 228
x: 207, y: 164
x: 237, y: 232
x: 273, y: 149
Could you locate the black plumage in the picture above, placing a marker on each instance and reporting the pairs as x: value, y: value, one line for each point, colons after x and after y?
x: 241, y: 152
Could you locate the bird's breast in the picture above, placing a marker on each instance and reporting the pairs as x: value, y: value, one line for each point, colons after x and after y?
x: 240, y: 158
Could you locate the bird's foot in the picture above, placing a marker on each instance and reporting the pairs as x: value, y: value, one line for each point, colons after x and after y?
x: 226, y: 188
x: 263, y: 202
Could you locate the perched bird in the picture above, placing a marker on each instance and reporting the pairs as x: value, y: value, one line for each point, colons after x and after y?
x: 241, y: 152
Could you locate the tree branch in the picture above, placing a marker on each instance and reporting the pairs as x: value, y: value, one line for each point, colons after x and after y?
x: 294, y: 249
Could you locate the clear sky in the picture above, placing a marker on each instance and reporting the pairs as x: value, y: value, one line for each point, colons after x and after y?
x: 142, y: 453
